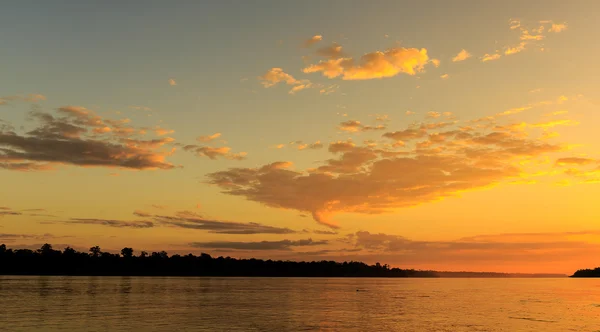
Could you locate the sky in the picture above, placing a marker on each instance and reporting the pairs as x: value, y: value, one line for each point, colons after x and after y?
x: 431, y: 135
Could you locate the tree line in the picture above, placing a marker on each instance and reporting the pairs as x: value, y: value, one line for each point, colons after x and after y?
x: 48, y: 261
x: 587, y: 273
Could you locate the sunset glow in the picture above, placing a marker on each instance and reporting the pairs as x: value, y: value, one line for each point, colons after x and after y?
x: 294, y: 131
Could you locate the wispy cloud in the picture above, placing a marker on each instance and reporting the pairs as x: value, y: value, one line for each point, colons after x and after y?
x: 262, y: 245
x: 490, y: 57
x: 275, y: 76
x: 208, y: 138
x: 354, y: 126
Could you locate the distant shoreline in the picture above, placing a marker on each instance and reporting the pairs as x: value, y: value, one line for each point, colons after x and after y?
x: 69, y: 262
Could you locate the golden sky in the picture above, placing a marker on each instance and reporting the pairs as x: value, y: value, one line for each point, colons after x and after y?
x: 448, y: 141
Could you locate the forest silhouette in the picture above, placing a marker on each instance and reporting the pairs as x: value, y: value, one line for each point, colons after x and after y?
x: 587, y: 273
x: 48, y: 261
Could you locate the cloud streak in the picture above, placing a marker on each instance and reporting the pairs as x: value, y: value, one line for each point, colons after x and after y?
x: 374, y: 65
x: 262, y: 245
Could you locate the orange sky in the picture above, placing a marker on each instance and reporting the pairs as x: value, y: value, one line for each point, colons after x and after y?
x: 449, y: 142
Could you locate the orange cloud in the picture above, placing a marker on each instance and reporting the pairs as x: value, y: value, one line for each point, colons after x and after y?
x: 525, y: 35
x: 515, y: 50
x: 354, y: 126
x: 445, y: 76
x: 313, y: 40
x: 557, y: 27
x: 374, y: 65
x: 32, y: 98
x: 314, y: 146
x: 208, y: 138
x: 368, y: 179
x: 334, y: 51
x: 275, y: 76
x: 461, y: 56
x: 172, y: 82
x: 162, y: 131
x: 490, y: 57
x: 214, y: 152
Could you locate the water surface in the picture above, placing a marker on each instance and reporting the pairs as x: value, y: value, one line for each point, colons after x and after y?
x: 297, y: 304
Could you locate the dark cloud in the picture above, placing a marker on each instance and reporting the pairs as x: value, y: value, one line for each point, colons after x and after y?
x: 110, y: 222
x: 5, y: 237
x: 78, y: 138
x: 5, y: 211
x: 262, y: 245
x: 185, y: 219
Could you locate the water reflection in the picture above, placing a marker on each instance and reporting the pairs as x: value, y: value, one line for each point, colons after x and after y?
x: 289, y: 304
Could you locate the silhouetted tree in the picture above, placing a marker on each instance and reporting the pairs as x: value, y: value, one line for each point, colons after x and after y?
x: 143, y: 254
x: 46, y: 249
x: 127, y: 252
x: 95, y: 251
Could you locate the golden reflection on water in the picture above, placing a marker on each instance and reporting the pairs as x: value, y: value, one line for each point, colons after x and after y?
x: 296, y: 304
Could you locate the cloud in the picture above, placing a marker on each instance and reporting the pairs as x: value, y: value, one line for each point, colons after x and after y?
x: 275, y: 76
x: 490, y: 57
x: 313, y: 146
x: 515, y: 24
x: 354, y: 126
x: 74, y: 139
x: 333, y: 51
x: 262, y: 245
x: 436, y: 161
x: 557, y: 27
x: 208, y: 138
x: 515, y: 50
x: 509, y: 246
x: 162, y: 131
x: 142, y: 214
x: 461, y: 56
x: 32, y: 98
x: 109, y: 222
x: 526, y: 35
x: 172, y: 82
x: 445, y: 76
x: 7, y: 237
x: 4, y: 211
x: 374, y: 65
x: 187, y: 220
x: 575, y: 161
x: 313, y: 40
x: 214, y: 153
x: 436, y: 62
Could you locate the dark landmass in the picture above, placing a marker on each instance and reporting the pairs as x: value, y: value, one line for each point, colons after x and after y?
x: 587, y: 273
x: 47, y: 261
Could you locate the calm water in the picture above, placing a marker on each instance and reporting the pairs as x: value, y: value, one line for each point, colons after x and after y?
x: 290, y: 304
